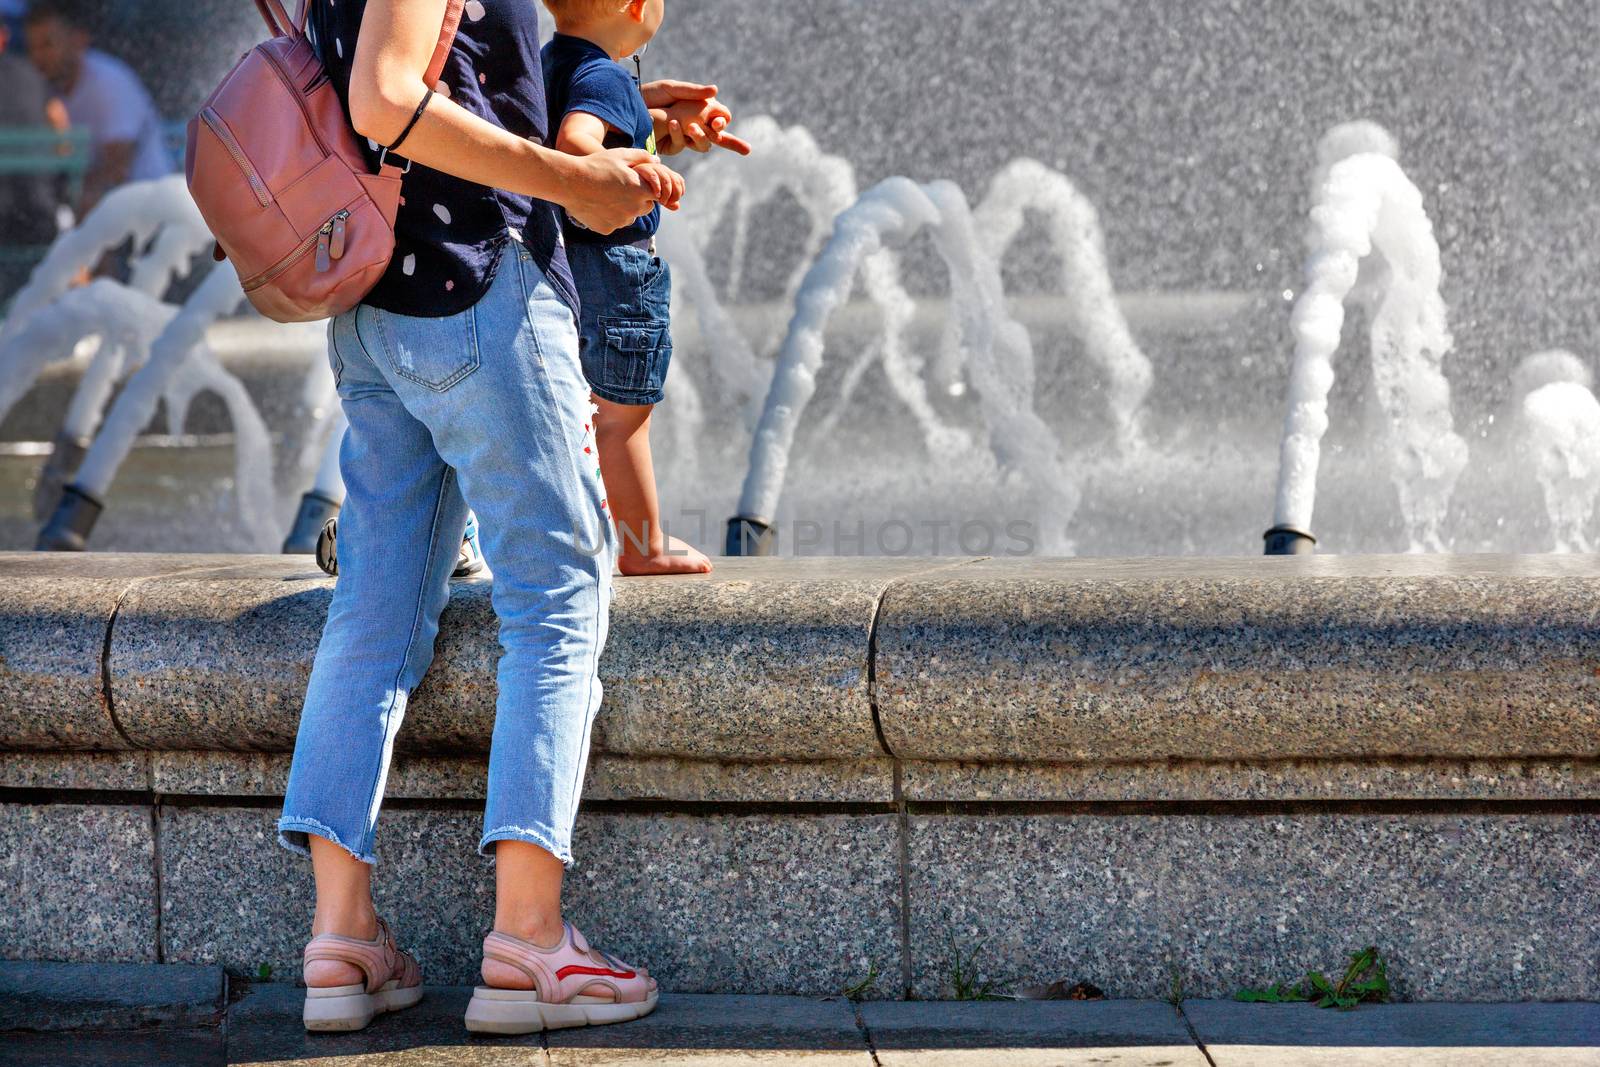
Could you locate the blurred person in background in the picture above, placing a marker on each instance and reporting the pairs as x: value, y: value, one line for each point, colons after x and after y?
x: 102, y: 94
x: 27, y: 200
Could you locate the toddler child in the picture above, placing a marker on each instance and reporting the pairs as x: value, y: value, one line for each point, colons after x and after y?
x: 623, y: 287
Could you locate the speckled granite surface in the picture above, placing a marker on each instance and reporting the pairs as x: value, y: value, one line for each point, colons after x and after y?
x: 610, y: 777
x: 1465, y: 907
x: 1004, y: 660
x: 75, y: 770
x: 52, y: 632
x: 1279, y: 780
x: 1089, y: 661
x: 77, y: 883
x: 1297, y: 685
x: 763, y: 660
x: 709, y: 903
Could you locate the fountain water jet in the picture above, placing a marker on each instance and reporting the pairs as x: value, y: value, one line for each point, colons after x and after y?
x: 1561, y: 423
x: 179, y: 366
x: 1088, y: 294
x: 134, y: 211
x: 781, y: 160
x: 158, y: 214
x: 996, y: 347
x: 111, y: 323
x: 1371, y: 243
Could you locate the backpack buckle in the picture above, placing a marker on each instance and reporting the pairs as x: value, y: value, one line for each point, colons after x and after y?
x: 383, y: 160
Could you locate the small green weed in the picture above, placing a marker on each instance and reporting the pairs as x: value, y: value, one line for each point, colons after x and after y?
x: 1272, y: 994
x: 1175, y: 986
x: 860, y: 990
x: 264, y: 973
x: 964, y: 977
x: 1365, y: 981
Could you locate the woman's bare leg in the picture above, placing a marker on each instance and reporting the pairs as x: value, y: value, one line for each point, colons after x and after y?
x: 527, y: 893
x: 622, y: 433
x: 344, y: 906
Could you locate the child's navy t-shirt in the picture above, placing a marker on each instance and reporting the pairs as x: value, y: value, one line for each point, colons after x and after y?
x: 579, y: 76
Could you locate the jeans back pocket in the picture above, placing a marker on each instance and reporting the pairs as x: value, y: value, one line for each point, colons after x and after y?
x: 436, y: 353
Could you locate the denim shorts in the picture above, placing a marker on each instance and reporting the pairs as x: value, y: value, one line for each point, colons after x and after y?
x: 625, y: 330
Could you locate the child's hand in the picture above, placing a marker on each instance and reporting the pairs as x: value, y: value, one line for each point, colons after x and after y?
x: 690, y: 116
x: 664, y: 182
x: 704, y: 129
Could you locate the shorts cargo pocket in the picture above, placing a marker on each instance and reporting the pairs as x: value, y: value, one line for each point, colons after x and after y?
x: 633, y: 360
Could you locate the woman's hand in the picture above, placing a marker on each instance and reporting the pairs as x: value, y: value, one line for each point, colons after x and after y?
x: 687, y: 115
x: 605, y: 192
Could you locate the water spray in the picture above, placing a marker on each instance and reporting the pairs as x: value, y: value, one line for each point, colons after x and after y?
x: 1371, y: 244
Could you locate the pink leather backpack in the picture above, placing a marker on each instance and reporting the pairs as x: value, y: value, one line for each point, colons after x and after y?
x: 278, y: 175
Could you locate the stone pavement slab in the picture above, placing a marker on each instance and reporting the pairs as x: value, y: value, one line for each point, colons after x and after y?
x: 1382, y: 1035
x: 717, y: 1030
x: 112, y: 996
x: 264, y: 1028
x: 194, y: 1047
x: 1119, y: 1033
x: 707, y: 1031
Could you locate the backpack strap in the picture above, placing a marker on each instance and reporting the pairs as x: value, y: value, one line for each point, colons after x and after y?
x: 441, y: 55
x: 276, y: 18
x: 447, y: 39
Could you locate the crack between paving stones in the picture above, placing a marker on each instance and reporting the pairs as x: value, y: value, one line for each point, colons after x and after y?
x: 902, y: 815
x: 1194, y: 1035
x: 866, y: 1034
x: 155, y: 863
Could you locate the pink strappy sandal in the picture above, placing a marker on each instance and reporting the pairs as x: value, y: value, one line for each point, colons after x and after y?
x: 569, y: 986
x: 393, y: 981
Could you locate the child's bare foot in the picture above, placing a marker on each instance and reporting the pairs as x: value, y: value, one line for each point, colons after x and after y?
x: 679, y: 557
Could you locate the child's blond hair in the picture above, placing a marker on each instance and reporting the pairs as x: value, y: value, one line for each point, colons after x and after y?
x: 581, y: 8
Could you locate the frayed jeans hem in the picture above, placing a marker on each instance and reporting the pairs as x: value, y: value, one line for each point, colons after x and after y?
x: 542, y: 838
x: 292, y: 834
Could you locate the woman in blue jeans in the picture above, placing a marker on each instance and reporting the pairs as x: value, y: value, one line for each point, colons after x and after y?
x: 460, y: 378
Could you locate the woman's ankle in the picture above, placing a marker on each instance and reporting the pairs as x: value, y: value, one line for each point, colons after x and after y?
x: 354, y: 921
x: 545, y: 934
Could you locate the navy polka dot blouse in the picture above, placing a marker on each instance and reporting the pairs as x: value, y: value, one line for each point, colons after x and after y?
x: 450, y: 233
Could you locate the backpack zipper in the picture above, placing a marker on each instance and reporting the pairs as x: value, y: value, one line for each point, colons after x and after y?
x: 330, y: 242
x: 322, y: 241
x: 214, y: 122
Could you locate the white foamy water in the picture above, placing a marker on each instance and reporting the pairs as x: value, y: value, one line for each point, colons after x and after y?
x: 782, y: 160
x: 995, y: 352
x: 117, y: 317
x: 137, y: 211
x: 892, y: 404
x: 1371, y: 243
x: 179, y: 367
x: 893, y: 209
x: 1560, y: 422
x: 1087, y: 294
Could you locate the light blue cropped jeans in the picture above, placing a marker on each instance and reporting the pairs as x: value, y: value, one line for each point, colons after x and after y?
x: 488, y: 408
